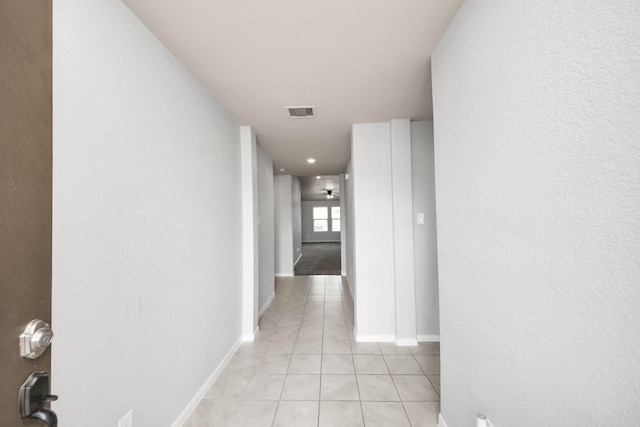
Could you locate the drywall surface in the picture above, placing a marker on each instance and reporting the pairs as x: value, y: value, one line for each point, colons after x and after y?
x: 537, y: 123
x: 296, y: 218
x: 147, y: 232
x: 403, y: 232
x: 349, y: 230
x: 266, y: 245
x: 308, y: 235
x: 283, y: 212
x: 425, y: 255
x: 373, y: 239
x: 250, y: 232
x: 343, y: 229
x: 288, y: 228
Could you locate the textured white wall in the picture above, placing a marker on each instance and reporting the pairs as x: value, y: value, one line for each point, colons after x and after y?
x: 537, y: 130
x: 283, y: 225
x: 403, y: 232
x: 266, y: 245
x: 250, y: 232
x: 147, y: 223
x: 288, y: 228
x: 308, y: 235
x: 373, y: 239
x: 296, y: 218
x: 424, y: 201
x: 350, y: 227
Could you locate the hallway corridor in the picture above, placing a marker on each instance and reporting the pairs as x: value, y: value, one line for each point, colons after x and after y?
x: 305, y: 369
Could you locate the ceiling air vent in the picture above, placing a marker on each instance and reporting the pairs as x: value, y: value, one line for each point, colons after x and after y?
x: 301, y: 112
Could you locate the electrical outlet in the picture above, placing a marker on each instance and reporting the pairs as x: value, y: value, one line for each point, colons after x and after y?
x: 127, y: 420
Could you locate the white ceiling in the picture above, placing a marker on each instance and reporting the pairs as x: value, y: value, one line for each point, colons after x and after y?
x: 315, y: 187
x: 356, y: 61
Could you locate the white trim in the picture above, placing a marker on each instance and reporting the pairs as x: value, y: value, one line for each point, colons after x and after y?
x: 428, y: 338
x: 267, y: 304
x: 441, y: 421
x: 406, y: 342
x: 284, y: 274
x: 375, y: 338
x: 323, y: 241
x: 193, y: 404
x: 252, y: 337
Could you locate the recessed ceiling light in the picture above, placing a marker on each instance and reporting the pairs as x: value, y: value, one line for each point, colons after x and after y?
x: 318, y: 177
x: 311, y: 160
x: 281, y: 170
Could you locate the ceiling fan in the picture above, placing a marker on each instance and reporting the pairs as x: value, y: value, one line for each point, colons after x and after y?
x: 331, y: 192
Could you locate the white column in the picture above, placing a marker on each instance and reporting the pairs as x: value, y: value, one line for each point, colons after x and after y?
x: 403, y: 247
x: 248, y: 159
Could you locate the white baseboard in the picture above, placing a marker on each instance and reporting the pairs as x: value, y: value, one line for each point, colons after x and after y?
x: 428, y: 338
x: 252, y: 337
x: 374, y: 338
x: 441, y: 421
x: 406, y: 342
x: 193, y: 404
x: 266, y: 304
x: 284, y: 274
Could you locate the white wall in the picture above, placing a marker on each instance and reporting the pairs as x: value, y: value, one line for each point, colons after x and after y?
x: 373, y: 238
x: 349, y: 230
x: 266, y: 229
x: 283, y: 225
x: 425, y: 256
x: 343, y: 226
x: 250, y: 232
x: 403, y: 233
x: 296, y: 218
x: 143, y: 250
x: 288, y: 244
x: 537, y: 123
x: 308, y: 235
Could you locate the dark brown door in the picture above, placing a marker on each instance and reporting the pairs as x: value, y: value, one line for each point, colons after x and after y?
x: 25, y: 190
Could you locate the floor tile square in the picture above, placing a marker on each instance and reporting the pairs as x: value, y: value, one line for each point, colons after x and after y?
x: 377, y: 388
x: 337, y: 364
x: 229, y: 386
x: 297, y: 414
x: 425, y: 348
x: 212, y: 413
x: 422, y: 414
x: 370, y: 364
x: 435, y: 382
x: 391, y: 348
x: 402, y: 364
x: 305, y: 364
x: 340, y: 414
x: 384, y: 414
x: 339, y: 346
x: 430, y: 363
x: 264, y: 387
x: 339, y: 387
x: 415, y: 388
x: 301, y: 387
x: 250, y: 413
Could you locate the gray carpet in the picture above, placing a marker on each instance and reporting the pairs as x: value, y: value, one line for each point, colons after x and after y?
x: 319, y: 258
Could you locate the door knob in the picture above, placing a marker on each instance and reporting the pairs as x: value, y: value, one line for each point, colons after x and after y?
x: 34, y: 393
x: 35, y: 339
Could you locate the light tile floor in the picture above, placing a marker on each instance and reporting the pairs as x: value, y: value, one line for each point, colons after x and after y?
x: 305, y: 369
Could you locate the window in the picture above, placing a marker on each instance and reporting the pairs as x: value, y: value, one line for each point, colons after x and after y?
x: 335, y: 218
x: 320, y: 218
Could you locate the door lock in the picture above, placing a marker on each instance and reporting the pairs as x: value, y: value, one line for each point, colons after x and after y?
x: 35, y: 339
